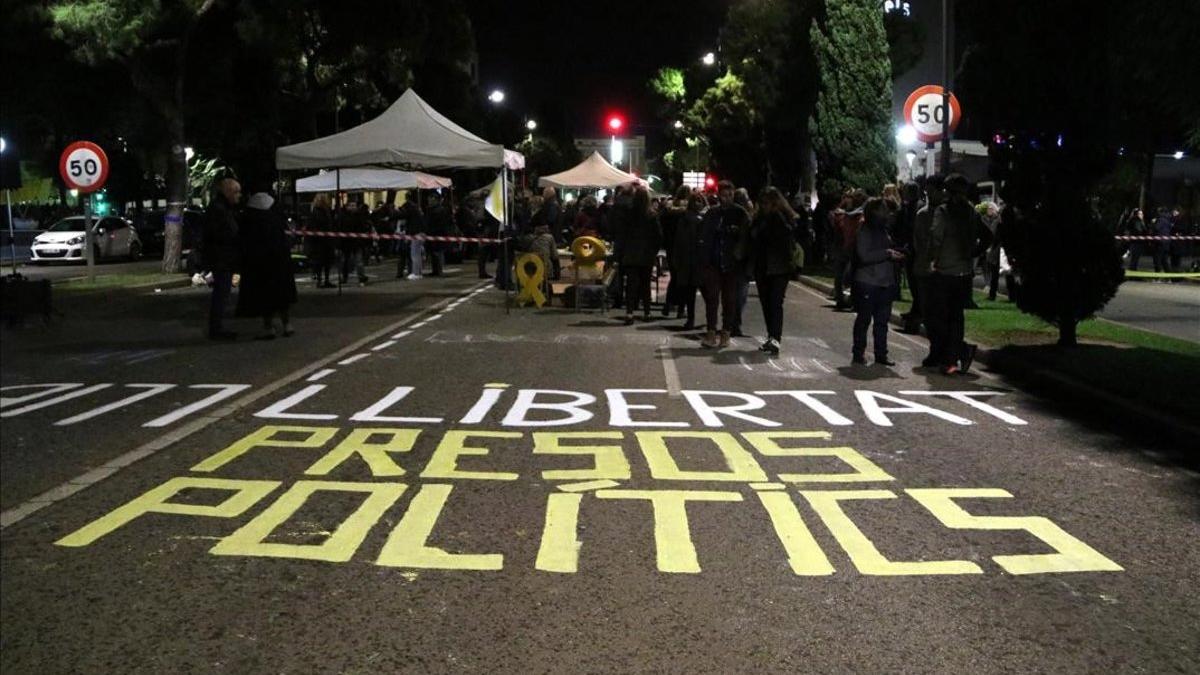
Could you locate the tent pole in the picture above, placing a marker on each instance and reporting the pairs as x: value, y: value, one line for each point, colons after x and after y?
x: 337, y: 196
x: 508, y: 269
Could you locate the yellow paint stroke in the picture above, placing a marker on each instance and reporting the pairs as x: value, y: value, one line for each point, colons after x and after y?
x: 408, y: 544
x: 862, y: 552
x: 804, y: 553
x: 559, y: 550
x: 377, y: 455
x: 672, y: 537
x: 864, y: 469
x: 341, y: 543
x: 246, y: 493
x: 589, y: 486
x: 265, y: 438
x: 610, y: 461
x: 1071, y: 554
x: 444, y: 462
x: 741, y: 465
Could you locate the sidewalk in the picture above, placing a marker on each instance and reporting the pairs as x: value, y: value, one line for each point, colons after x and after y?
x: 1146, y: 379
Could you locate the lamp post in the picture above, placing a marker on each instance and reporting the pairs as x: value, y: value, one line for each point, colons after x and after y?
x: 708, y: 59
x: 496, y: 97
x: 12, y: 237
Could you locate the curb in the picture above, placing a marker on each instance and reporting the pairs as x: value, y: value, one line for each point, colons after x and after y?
x: 1177, y: 429
x: 164, y: 285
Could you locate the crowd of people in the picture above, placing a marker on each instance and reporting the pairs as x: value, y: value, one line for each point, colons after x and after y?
x: 929, y: 235
x: 1166, y: 254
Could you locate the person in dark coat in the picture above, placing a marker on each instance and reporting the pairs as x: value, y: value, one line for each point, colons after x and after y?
x: 670, y: 213
x: 354, y: 220
x: 875, y: 281
x: 221, y: 251
x: 638, y: 239
x: 771, y: 242
x: 321, y: 248
x: 408, y: 222
x: 440, y: 224
x: 722, y: 231
x: 268, y: 285
x: 685, y: 255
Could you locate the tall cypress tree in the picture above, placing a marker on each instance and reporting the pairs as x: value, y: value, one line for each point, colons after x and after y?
x: 851, y: 126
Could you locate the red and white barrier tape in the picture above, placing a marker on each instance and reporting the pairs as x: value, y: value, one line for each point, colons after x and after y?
x: 407, y: 237
x: 1181, y: 237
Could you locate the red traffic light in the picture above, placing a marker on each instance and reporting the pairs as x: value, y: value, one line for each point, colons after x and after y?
x: 615, y: 123
x: 710, y: 182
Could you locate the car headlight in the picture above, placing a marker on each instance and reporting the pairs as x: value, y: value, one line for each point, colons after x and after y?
x: 75, y: 240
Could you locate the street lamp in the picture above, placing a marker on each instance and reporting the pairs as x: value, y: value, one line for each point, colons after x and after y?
x: 531, y: 125
x: 189, y: 153
x: 496, y: 96
x: 678, y: 124
x: 708, y: 59
x: 906, y: 135
x: 1178, y: 154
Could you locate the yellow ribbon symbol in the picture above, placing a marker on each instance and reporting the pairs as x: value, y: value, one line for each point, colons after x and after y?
x: 531, y: 284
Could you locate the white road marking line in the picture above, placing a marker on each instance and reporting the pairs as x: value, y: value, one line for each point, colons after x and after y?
x: 774, y: 365
x: 401, y: 334
x: 320, y: 374
x: 383, y: 345
x: 822, y: 366
x: 151, y: 390
x: 819, y: 342
x: 418, y: 325
x: 797, y: 365
x: 742, y: 360
x: 352, y: 359
x: 56, y: 400
x: 52, y: 388
x: 25, y: 509
x: 226, y: 391
x: 670, y: 372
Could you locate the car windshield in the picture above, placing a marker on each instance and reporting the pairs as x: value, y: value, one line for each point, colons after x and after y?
x: 68, y: 225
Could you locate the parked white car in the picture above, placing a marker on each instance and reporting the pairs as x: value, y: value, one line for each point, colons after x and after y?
x: 112, y: 237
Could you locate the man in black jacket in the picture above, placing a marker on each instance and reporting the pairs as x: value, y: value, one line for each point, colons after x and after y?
x: 220, y: 247
x: 440, y: 223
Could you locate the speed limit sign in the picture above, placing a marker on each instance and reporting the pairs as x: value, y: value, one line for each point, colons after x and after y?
x: 83, y: 166
x: 924, y: 111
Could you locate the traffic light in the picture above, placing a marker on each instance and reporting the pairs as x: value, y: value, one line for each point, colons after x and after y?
x: 615, y: 123
x: 710, y: 182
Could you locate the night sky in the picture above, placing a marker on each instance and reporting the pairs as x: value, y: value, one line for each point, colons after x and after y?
x: 576, y: 61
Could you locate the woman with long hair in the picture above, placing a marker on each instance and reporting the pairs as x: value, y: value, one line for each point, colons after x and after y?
x: 638, y: 239
x: 771, y: 243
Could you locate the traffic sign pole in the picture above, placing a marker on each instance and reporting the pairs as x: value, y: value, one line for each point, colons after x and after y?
x: 84, y: 167
x: 89, y: 238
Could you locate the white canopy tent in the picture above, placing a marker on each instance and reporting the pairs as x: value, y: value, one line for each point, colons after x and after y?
x: 369, y: 179
x: 593, y: 172
x: 409, y: 134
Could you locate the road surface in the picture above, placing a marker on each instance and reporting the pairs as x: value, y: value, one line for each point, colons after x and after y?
x: 419, y: 482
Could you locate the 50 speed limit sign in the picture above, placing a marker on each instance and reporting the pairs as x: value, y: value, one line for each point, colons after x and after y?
x: 925, y: 112
x: 83, y: 166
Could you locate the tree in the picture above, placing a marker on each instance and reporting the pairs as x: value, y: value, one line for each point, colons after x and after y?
x: 767, y: 44
x: 1053, y: 131
x: 150, y: 40
x: 731, y: 125
x: 906, y: 41
x: 1066, y: 261
x: 851, y: 126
